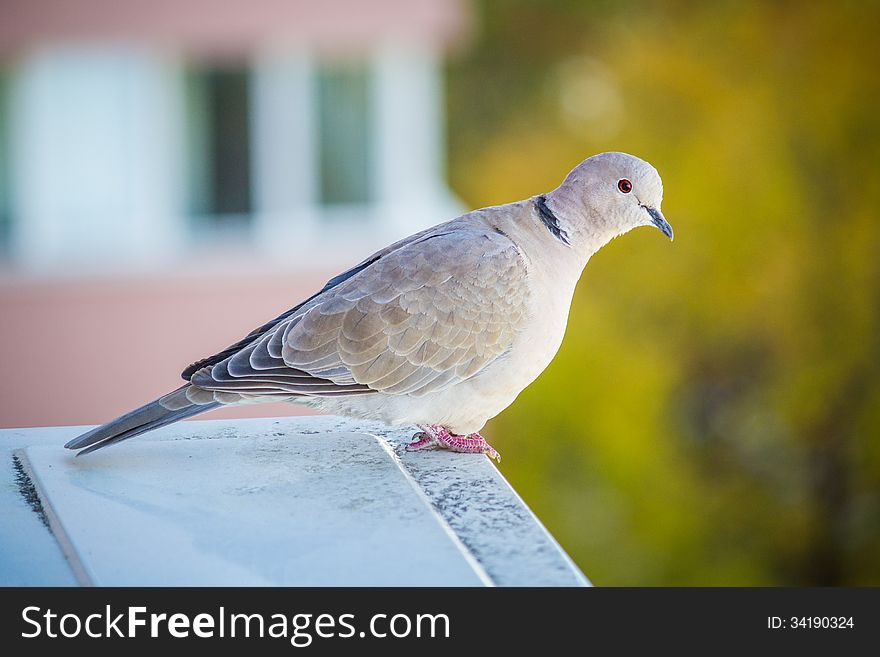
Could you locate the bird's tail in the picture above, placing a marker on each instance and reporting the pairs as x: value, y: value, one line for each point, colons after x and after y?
x: 168, y: 409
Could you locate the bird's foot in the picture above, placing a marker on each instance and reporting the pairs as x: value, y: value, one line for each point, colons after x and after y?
x: 434, y: 435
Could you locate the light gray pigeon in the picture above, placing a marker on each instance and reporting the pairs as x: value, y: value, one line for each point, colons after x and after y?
x: 441, y: 330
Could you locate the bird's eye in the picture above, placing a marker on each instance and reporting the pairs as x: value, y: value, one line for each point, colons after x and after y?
x: 624, y: 185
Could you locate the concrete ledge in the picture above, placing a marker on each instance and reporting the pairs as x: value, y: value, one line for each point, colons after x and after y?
x: 286, y: 501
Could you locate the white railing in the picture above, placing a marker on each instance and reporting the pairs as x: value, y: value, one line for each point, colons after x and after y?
x: 287, y: 501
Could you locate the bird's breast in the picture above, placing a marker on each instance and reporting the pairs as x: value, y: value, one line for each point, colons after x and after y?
x: 539, y: 337
x: 542, y: 335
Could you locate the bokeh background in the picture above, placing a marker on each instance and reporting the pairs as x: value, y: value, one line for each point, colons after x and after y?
x: 714, y: 413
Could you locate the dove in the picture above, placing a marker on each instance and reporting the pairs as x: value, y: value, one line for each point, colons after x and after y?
x: 441, y: 330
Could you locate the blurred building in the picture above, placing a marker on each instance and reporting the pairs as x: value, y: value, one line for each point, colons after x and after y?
x: 166, y: 163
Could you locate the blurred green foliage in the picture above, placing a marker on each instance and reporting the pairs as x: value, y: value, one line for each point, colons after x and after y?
x: 713, y: 415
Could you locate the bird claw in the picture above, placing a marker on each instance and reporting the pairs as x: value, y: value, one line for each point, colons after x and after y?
x: 421, y: 440
x: 434, y: 435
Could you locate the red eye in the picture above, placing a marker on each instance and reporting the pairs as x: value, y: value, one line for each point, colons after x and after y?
x: 624, y: 185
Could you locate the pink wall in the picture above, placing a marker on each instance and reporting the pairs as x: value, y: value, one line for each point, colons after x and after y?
x: 82, y: 352
x: 206, y: 26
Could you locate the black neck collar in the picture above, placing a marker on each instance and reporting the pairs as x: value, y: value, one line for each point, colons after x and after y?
x: 550, y: 220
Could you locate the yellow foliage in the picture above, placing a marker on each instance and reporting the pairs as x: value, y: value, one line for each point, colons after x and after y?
x: 712, y: 416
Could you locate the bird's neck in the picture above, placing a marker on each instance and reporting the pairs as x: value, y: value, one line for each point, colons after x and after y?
x: 566, y: 227
x: 557, y: 249
x: 588, y: 232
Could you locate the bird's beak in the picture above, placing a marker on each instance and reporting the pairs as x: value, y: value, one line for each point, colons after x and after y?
x: 659, y: 220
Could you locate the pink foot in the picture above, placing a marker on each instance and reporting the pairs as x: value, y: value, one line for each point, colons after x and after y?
x: 435, y: 435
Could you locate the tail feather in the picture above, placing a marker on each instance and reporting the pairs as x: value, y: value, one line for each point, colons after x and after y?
x: 159, y: 413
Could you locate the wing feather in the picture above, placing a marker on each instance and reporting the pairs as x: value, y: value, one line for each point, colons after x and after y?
x: 429, y: 314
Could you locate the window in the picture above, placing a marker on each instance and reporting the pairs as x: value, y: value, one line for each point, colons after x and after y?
x: 344, y: 117
x: 219, y: 145
x: 5, y: 165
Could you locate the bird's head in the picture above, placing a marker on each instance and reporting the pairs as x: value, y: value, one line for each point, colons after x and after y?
x: 607, y: 195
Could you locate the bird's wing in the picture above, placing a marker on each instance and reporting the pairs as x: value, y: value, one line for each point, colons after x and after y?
x: 423, y: 317
x: 332, y: 283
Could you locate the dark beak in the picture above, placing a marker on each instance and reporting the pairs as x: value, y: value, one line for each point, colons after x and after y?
x: 659, y: 220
